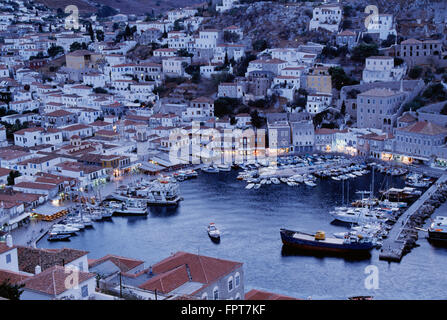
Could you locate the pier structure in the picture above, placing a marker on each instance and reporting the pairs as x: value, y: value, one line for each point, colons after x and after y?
x: 395, y: 246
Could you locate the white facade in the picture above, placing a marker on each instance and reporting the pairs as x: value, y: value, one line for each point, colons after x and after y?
x: 383, y: 24
x: 382, y: 69
x: 317, y: 103
x: 327, y: 17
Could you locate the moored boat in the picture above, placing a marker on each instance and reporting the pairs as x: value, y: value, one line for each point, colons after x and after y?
x: 213, y: 232
x: 438, y: 230
x: 352, y: 244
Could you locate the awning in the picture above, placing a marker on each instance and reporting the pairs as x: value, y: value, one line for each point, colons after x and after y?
x: 19, y: 218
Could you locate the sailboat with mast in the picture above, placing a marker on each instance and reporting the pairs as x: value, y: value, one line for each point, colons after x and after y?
x: 359, y: 215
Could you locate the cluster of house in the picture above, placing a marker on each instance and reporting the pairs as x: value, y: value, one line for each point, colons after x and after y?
x: 69, y: 274
x: 101, y: 114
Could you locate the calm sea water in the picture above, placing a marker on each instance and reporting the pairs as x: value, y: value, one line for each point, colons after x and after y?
x: 250, y: 221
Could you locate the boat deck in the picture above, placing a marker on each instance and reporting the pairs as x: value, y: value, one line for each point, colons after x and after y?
x: 306, y: 237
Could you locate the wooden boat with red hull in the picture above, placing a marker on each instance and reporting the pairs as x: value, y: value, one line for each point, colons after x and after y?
x: 351, y: 244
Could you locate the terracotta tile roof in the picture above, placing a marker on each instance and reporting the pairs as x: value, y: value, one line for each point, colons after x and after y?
x: 53, y: 280
x: 170, y: 272
x: 264, y: 295
x: 4, y: 172
x: 424, y: 127
x: 29, y: 257
x: 407, y: 118
x: 12, y: 277
x: 23, y: 131
x: 75, y: 127
x: 34, y: 186
x: 379, y: 92
x: 4, y: 248
x: 123, y: 263
x: 168, y: 281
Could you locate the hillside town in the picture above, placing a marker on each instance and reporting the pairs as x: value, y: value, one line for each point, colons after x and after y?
x: 87, y: 100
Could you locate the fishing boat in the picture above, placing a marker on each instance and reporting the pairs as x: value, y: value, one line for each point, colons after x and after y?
x: 310, y: 183
x: 276, y: 181
x: 257, y: 186
x: 96, y: 215
x: 356, y: 215
x: 63, y: 229
x: 213, y: 232
x: 224, y: 167
x: 129, y: 208
x: 58, y: 237
x: 406, y: 194
x: 319, y: 242
x: 250, y: 186
x: 438, y: 230
x: 211, y: 169
x: 160, y: 192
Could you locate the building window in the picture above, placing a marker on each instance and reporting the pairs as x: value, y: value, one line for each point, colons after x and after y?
x: 84, y: 291
x: 216, y: 293
x: 230, y: 284
x: 8, y: 258
x: 237, y: 279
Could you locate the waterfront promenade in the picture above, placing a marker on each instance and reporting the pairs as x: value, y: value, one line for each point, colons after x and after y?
x: 393, y: 247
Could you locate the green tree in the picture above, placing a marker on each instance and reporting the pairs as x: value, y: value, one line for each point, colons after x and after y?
x: 260, y: 45
x: 363, y: 51
x: 256, y: 120
x: 225, y: 106
x: 55, y: 50
x: 415, y: 72
x: 90, y: 32
x: 340, y: 78
x: 75, y: 46
x: 10, y: 291
x: 99, y: 90
x: 343, y: 108
x: 231, y: 37
x: 11, y: 177
x: 100, y: 35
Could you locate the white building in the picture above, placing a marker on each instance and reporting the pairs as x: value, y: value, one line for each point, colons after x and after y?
x: 381, y: 68
x: 317, y: 103
x: 382, y: 24
x: 175, y: 66
x: 37, y: 136
x: 327, y: 16
x: 226, y: 5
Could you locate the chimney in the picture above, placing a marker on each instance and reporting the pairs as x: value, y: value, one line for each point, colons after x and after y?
x: 37, y: 270
x: 9, y: 240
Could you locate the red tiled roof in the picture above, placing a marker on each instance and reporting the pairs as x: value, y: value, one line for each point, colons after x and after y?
x: 203, y: 269
x: 30, y: 257
x: 12, y: 277
x: 424, y: 127
x: 35, y: 186
x: 4, y: 172
x: 53, y: 280
x: 123, y: 263
x: 4, y: 248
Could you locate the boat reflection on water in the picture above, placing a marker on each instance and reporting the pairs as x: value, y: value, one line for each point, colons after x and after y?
x: 288, y: 251
x: 159, y: 211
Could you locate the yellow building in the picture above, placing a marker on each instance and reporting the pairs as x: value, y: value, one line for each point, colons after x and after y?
x: 318, y: 80
x: 81, y: 59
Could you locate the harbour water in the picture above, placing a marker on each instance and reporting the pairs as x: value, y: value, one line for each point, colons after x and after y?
x: 250, y: 220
